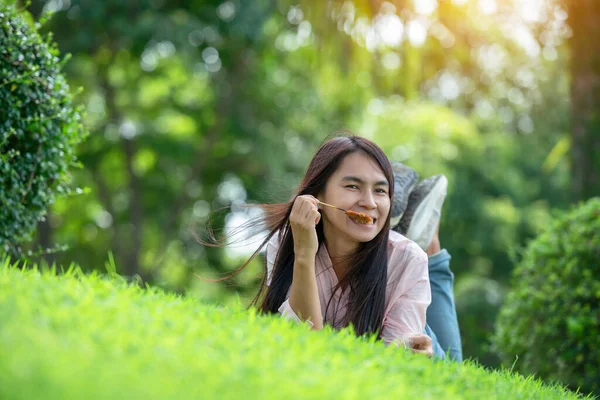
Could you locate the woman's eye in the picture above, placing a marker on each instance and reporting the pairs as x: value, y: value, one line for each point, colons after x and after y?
x: 352, y: 186
x: 381, y: 191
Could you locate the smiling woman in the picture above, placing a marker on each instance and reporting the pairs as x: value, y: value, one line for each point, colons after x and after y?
x: 328, y: 267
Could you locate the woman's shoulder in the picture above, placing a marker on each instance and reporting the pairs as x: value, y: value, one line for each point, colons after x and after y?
x: 398, y: 241
x: 404, y: 255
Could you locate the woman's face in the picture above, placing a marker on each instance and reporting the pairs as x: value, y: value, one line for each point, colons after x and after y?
x: 359, y: 185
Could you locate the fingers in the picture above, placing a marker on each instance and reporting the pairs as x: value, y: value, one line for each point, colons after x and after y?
x: 422, y: 345
x: 303, y: 219
x: 421, y: 340
x: 311, y: 216
x: 428, y: 352
x: 413, y: 339
x: 308, y: 210
x: 305, y: 210
x: 418, y: 343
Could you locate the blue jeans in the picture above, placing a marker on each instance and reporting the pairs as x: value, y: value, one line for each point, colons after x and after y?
x: 442, y: 323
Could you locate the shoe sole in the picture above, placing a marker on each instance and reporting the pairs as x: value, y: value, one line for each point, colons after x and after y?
x: 408, y: 176
x: 423, y: 232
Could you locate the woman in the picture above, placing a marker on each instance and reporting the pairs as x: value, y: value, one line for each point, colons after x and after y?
x: 325, y: 268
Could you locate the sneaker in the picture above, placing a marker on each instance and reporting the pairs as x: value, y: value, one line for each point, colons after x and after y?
x: 405, y: 179
x: 424, y: 209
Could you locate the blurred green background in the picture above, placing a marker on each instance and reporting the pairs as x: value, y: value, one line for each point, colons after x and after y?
x: 193, y: 106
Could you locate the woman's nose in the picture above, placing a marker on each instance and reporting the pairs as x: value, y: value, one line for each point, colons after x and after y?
x: 367, y: 200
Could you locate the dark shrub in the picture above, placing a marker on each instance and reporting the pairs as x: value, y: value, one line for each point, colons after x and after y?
x: 39, y: 128
x: 551, y: 317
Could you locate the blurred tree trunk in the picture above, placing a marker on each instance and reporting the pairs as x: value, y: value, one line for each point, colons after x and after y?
x: 132, y: 262
x: 585, y: 97
x: 127, y: 255
x: 105, y: 198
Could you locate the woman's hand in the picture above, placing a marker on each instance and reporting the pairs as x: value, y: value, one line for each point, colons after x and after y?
x: 419, y: 343
x: 303, y: 219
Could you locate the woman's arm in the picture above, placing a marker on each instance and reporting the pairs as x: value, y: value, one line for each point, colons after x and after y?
x: 303, y: 303
x: 285, y: 309
x: 304, y: 294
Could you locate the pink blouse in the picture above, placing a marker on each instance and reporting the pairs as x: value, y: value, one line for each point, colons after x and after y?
x: 408, y: 293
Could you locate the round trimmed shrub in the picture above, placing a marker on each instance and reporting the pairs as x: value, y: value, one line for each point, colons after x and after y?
x: 551, y: 317
x: 39, y: 128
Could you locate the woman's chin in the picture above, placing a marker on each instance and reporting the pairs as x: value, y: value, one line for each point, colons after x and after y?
x: 363, y: 235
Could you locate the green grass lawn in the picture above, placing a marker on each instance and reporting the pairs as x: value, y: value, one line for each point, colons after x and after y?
x: 76, y: 336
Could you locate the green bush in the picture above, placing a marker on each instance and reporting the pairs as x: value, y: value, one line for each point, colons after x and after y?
x: 551, y: 317
x: 76, y: 336
x: 39, y: 128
